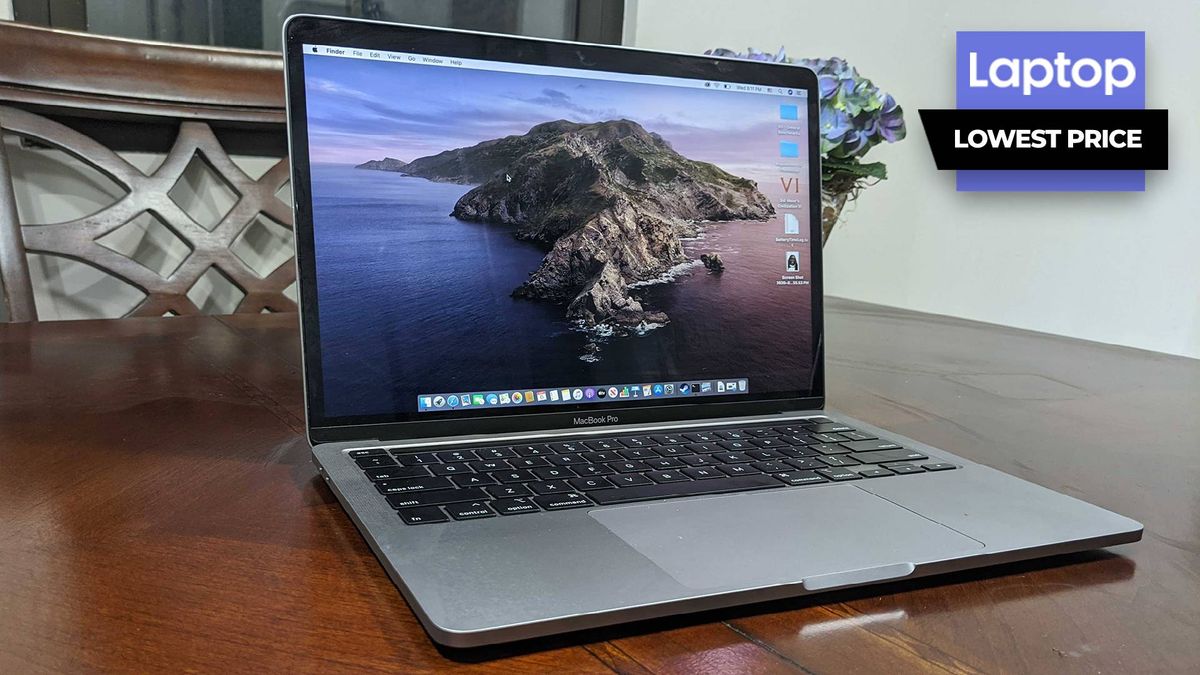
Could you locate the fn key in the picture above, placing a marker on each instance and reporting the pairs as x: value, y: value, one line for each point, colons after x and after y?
x: 422, y: 514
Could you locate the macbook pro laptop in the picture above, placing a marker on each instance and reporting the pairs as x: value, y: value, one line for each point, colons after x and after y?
x: 562, y: 331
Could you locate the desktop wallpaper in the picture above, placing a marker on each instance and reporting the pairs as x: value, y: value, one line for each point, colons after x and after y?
x: 480, y: 230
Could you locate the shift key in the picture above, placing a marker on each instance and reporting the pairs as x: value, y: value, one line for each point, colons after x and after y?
x: 868, y: 446
x: 436, y: 497
x: 896, y: 455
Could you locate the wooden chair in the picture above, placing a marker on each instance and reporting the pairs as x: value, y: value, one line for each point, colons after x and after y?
x: 92, y: 97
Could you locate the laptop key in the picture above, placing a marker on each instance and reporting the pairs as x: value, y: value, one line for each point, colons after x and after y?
x: 598, y: 456
x: 798, y: 452
x: 639, y: 453
x: 869, y: 446
x: 531, y: 450
x: 938, y: 466
x: 905, y: 468
x: 698, y: 460
x: 666, y: 476
x: 566, y: 460
x: 771, y: 467
x: 451, y: 456
x: 839, y: 474
x: 738, y: 469
x: 829, y: 449
x: 701, y: 436
x: 449, y: 469
x: 490, y: 465
x: 527, y: 462
x: 799, y: 439
x: 730, y: 434
x: 765, y: 454
x: 731, y: 457
x: 830, y: 428
x: 514, y: 476
x: 791, y: 430
x: 683, y: 489
x: 497, y: 453
x: 702, y: 473
x: 469, y: 511
x: 515, y: 506
x: 436, y: 497
x: 673, y: 450
x: 553, y: 472
x: 394, y: 472
x: 875, y: 472
x: 629, y: 480
x: 500, y: 491
x: 829, y: 438
x: 604, y: 444
x: 585, y: 484
x: 473, y: 479
x: 760, y: 432
x: 637, y: 442
x: 856, y: 435
x: 703, y: 448
x: 374, y: 461
x: 565, y: 446
x: 567, y: 500
x: 774, y: 442
x: 663, y: 463
x: 736, y: 446
x: 417, y: 458
x: 550, y: 487
x: 393, y: 487
x: 589, y: 470
x: 366, y: 452
x: 628, y: 467
x: 881, y: 456
x: 805, y: 463
x: 422, y: 514
x: 801, y: 477
x: 840, y: 460
x: 669, y: 439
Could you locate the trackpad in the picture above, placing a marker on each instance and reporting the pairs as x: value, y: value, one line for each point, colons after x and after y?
x: 825, y: 537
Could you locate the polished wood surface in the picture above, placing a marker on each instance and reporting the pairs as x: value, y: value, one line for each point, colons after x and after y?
x: 158, y: 511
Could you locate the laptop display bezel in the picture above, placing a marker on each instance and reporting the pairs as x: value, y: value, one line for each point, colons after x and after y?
x: 303, y: 29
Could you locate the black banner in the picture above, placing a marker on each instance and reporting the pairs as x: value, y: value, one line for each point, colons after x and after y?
x: 1047, y: 139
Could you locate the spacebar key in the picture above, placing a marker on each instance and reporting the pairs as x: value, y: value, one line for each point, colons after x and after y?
x: 683, y: 489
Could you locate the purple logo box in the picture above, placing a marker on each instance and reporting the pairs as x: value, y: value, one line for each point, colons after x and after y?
x: 991, y: 45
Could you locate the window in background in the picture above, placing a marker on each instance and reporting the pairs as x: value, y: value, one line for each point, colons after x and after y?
x: 256, y: 24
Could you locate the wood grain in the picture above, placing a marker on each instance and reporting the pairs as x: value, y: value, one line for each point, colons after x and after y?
x: 158, y: 512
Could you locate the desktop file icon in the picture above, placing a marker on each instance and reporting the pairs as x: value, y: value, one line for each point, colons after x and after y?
x: 791, y: 224
x: 789, y: 149
x: 789, y: 112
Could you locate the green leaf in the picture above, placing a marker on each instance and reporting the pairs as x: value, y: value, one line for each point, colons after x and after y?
x: 832, y: 167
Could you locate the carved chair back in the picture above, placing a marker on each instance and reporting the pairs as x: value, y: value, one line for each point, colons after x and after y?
x: 94, y: 98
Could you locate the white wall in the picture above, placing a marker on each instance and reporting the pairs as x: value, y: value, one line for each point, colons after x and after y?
x: 1116, y: 268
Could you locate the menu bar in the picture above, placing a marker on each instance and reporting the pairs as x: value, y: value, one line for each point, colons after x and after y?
x: 506, y: 67
x: 577, y: 395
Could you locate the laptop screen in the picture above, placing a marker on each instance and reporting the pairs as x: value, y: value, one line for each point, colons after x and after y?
x: 493, y: 238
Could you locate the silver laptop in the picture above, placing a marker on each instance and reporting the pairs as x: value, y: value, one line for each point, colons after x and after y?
x: 562, y: 327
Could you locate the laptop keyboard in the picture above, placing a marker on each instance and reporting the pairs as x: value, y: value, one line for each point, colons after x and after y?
x: 508, y: 480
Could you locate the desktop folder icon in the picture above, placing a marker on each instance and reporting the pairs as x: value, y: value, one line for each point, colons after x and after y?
x: 788, y: 149
x: 789, y: 112
x: 791, y: 224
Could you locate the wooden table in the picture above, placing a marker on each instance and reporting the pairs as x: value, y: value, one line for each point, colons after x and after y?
x: 158, y: 511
